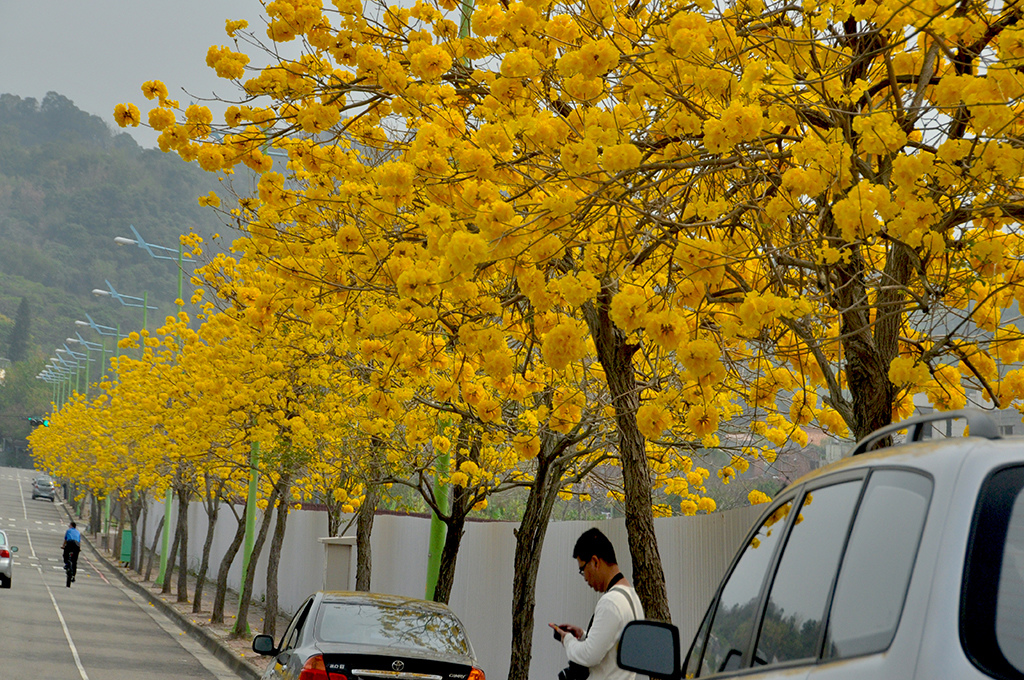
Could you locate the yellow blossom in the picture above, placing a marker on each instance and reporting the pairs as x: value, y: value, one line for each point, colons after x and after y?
x: 127, y: 115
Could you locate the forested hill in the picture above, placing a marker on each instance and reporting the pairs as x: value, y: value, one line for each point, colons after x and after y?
x: 68, y: 186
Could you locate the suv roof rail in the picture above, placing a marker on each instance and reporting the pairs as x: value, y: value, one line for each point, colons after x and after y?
x: 979, y: 422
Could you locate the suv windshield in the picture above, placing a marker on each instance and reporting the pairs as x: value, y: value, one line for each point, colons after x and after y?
x: 388, y: 626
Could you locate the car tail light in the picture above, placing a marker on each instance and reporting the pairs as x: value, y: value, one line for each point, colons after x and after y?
x: 314, y: 669
x: 5, y: 553
x: 476, y: 674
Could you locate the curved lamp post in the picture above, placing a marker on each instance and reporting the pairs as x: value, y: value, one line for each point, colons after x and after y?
x: 126, y: 300
x: 89, y: 347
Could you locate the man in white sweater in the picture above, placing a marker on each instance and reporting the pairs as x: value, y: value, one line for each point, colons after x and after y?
x: 596, y: 647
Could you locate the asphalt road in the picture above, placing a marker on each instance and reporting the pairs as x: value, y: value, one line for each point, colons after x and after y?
x: 97, y: 629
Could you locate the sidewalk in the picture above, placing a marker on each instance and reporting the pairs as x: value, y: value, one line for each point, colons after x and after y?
x: 236, y: 653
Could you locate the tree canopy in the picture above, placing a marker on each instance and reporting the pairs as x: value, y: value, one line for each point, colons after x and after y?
x: 653, y: 228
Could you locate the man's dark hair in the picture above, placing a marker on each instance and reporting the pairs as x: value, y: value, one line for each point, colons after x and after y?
x: 592, y: 543
x: 73, y: 525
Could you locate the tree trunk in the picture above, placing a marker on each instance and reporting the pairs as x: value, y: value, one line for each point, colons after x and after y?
x: 165, y: 587
x: 455, y: 526
x: 273, y: 562
x: 869, y: 348
x: 616, y: 357
x: 241, y: 627
x: 119, y: 531
x: 212, y: 506
x: 95, y: 523
x: 529, y: 543
x: 134, y: 513
x: 364, y: 527
x: 152, y: 551
x: 140, y: 559
x: 333, y: 517
x: 221, y: 591
x: 183, y: 495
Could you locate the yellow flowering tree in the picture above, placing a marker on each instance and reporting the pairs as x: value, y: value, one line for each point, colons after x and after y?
x: 806, y: 212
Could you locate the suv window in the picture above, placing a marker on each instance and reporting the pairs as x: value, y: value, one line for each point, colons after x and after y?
x: 1010, y: 600
x: 992, y: 616
x: 796, y: 605
x: 862, y: 604
x: 733, y: 622
x: 878, y: 562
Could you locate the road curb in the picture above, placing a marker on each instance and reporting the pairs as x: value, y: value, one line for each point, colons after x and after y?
x: 200, y: 635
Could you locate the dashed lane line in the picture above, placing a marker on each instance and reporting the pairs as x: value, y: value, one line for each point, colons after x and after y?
x: 21, y: 494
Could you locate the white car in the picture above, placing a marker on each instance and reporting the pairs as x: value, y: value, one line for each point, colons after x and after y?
x: 902, y: 563
x: 6, y: 561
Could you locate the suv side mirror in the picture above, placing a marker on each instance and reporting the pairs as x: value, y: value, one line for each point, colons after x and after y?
x: 14, y: 548
x: 650, y: 648
x: 264, y: 645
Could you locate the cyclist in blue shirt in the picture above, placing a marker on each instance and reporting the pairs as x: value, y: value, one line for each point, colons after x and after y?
x: 72, y: 546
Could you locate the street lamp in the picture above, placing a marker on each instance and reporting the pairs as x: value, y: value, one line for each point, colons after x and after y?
x: 126, y: 300
x: 103, y: 331
x: 77, y: 356
x: 89, y: 347
x: 61, y: 367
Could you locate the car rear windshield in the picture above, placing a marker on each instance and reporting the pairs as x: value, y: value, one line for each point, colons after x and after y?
x: 391, y: 626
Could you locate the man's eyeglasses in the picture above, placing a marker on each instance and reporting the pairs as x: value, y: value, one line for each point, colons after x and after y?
x: 584, y: 566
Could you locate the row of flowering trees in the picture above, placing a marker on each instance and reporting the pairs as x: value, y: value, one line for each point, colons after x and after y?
x: 545, y: 235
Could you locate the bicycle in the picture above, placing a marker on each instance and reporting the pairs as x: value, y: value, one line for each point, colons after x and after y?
x: 70, y: 565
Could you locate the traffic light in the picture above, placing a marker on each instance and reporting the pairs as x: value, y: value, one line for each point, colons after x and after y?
x: 36, y: 422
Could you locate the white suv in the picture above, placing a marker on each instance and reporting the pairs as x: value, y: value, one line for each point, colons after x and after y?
x: 906, y: 562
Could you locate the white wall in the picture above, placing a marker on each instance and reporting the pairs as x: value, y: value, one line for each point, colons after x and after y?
x: 695, y: 552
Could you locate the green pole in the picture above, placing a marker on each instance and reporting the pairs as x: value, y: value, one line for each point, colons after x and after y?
x: 106, y: 514
x: 181, y: 255
x: 88, y: 360
x: 250, y: 520
x: 467, y: 13
x: 165, y: 538
x: 437, y: 528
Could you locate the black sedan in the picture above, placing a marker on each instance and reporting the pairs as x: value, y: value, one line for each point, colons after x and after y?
x: 368, y: 636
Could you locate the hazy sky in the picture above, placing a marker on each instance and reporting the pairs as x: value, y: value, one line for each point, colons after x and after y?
x: 98, y: 53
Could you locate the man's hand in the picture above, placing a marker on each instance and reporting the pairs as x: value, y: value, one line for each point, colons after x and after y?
x: 562, y: 629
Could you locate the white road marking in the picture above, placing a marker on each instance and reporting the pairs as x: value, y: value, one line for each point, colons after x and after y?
x: 22, y: 495
x: 67, y: 633
x: 28, y: 536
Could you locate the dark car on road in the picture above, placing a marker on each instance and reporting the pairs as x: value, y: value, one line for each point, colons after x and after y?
x: 901, y: 563
x: 369, y: 636
x: 42, y: 487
